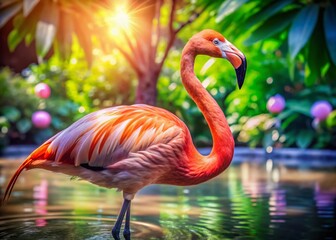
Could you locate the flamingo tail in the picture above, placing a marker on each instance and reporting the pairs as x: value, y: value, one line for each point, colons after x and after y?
x: 37, y: 154
x: 14, y: 178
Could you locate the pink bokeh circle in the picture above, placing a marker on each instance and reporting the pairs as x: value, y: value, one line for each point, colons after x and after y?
x: 321, y: 109
x: 276, y: 104
x: 42, y: 90
x: 41, y: 119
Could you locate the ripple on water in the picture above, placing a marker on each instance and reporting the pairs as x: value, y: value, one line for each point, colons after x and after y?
x: 69, y: 227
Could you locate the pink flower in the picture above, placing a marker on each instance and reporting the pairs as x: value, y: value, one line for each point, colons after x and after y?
x: 42, y: 90
x: 321, y: 109
x: 276, y: 104
x: 41, y: 119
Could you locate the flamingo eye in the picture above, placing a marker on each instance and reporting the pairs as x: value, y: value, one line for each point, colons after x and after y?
x: 216, y: 41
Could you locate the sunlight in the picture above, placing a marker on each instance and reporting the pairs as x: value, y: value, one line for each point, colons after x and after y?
x: 119, y: 21
x: 122, y: 18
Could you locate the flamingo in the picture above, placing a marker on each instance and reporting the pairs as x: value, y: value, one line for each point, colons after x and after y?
x: 130, y: 147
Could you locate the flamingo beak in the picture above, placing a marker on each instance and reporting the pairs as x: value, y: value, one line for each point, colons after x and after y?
x: 240, y: 72
x: 237, y: 59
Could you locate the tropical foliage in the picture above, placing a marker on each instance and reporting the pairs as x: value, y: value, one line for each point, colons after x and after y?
x: 303, y: 29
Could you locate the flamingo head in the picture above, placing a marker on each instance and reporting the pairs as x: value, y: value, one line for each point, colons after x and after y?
x: 211, y: 43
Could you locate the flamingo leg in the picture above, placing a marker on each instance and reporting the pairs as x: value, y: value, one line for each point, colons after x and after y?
x: 127, y: 231
x: 117, y: 226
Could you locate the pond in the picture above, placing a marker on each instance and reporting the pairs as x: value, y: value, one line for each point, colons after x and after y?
x: 264, y: 199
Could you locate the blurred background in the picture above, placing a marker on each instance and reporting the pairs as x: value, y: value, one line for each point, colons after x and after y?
x: 61, y: 60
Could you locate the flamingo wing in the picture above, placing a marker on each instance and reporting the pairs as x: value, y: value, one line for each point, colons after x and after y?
x: 105, y: 137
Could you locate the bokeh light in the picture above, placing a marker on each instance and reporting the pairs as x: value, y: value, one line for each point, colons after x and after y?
x: 41, y: 119
x: 42, y: 90
x: 321, y: 109
x: 276, y: 104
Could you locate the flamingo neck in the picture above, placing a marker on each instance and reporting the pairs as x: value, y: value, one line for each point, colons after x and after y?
x: 223, y: 144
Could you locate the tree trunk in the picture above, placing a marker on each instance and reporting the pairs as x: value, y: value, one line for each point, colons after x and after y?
x: 146, y: 90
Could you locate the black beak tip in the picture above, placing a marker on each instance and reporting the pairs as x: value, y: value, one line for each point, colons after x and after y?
x: 240, y: 72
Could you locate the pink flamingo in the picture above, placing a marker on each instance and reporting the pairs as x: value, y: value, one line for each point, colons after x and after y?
x: 130, y: 147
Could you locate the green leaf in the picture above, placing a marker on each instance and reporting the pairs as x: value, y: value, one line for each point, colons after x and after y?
x: 267, y: 12
x: 14, y: 38
x: 285, y: 114
x: 291, y: 68
x: 330, y: 30
x: 317, y: 57
x: 271, y: 26
x: 301, y: 29
x: 312, y: 76
x: 24, y: 125
x: 28, y: 39
x: 305, y: 138
x: 228, y: 7
x: 46, y: 28
x: 331, y: 120
x: 28, y: 6
x: 302, y: 107
x: 290, y: 137
x: 289, y: 120
x: 11, y: 113
x: 8, y: 12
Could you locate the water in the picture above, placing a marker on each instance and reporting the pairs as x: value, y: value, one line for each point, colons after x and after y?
x: 251, y: 200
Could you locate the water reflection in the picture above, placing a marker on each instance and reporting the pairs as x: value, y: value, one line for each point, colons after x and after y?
x: 252, y: 200
x: 40, y: 202
x: 325, y: 207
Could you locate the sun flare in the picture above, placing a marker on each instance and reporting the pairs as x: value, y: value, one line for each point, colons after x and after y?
x: 122, y: 19
x: 119, y: 21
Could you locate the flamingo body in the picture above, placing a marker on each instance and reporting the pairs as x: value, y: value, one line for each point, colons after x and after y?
x: 133, y: 145
x: 130, y: 147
